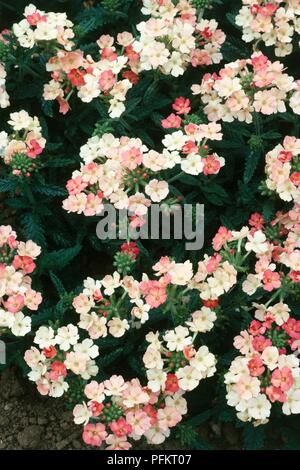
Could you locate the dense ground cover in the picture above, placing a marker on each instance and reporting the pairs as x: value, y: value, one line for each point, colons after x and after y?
x: 134, y: 103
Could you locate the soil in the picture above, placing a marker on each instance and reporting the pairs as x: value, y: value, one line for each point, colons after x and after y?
x: 30, y: 421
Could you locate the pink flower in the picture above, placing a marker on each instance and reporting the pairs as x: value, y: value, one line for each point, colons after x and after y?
x: 211, y: 165
x: 50, y: 352
x: 95, y: 408
x: 213, y: 263
x: 256, y: 220
x: 256, y: 328
x: 222, y: 236
x: 271, y: 280
x: 285, y: 156
x: 190, y: 147
x: 14, y: 303
x: 181, y: 105
x: 256, y: 366
x: 260, y: 343
x: 117, y: 443
x: 76, y: 185
x: 25, y: 263
x: 295, y: 178
x: 107, y: 80
x: 33, y: 299
x: 295, y: 276
x: 168, y: 417
x: 35, y: 18
x: 120, y: 427
x: 131, y: 158
x: 94, y: 434
x: 76, y: 77
x: 58, y: 369
x: 33, y: 149
x: 292, y: 328
x: 139, y: 421
x: 64, y: 106
x: 155, y: 293
x: 171, y: 122
x: 276, y: 394
x: 282, y: 378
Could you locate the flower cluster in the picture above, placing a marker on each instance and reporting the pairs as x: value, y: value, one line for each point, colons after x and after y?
x: 110, y: 305
x: 118, y: 411
x: 16, y: 294
x: 172, y: 38
x: 110, y: 77
x: 21, y: 149
x: 175, y: 364
x: 267, y: 371
x: 125, y: 173
x: 283, y: 169
x: 190, y: 141
x: 268, y: 253
x: 247, y: 86
x: 4, y: 98
x: 39, y: 27
x: 275, y: 22
x: 59, y: 356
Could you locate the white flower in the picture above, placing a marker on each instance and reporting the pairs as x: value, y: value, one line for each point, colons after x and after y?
x: 192, y: 164
x: 204, y: 362
x: 20, y: 120
x: 189, y: 378
x: 3, y: 142
x: 67, y: 336
x: 110, y: 283
x: 21, y: 325
x: 6, y: 319
x: 175, y: 141
x: 58, y: 388
x: 178, y: 338
x: 292, y: 404
x: 259, y: 407
x: 251, y: 284
x: 157, y: 190
x: 202, y: 320
x: 181, y: 273
x: 280, y: 312
x: 90, y: 286
x: 257, y: 243
x: 87, y: 347
x: 156, y: 379
x: 29, y: 248
x: 152, y: 358
x: 270, y: 357
x: 227, y: 86
x: 117, y: 327
x: 81, y: 414
x: 44, y: 337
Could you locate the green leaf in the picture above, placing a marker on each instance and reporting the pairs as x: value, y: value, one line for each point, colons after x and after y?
x: 254, y: 437
x: 215, y: 194
x: 50, y: 190
x: 56, y: 260
x: 57, y: 284
x: 33, y: 228
x: 252, y: 160
x: 8, y: 185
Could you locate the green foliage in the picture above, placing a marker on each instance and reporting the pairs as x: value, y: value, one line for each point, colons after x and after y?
x: 71, y: 250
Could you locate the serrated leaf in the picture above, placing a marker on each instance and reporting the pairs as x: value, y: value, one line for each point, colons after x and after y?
x: 252, y: 160
x: 57, y: 260
x: 254, y: 437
